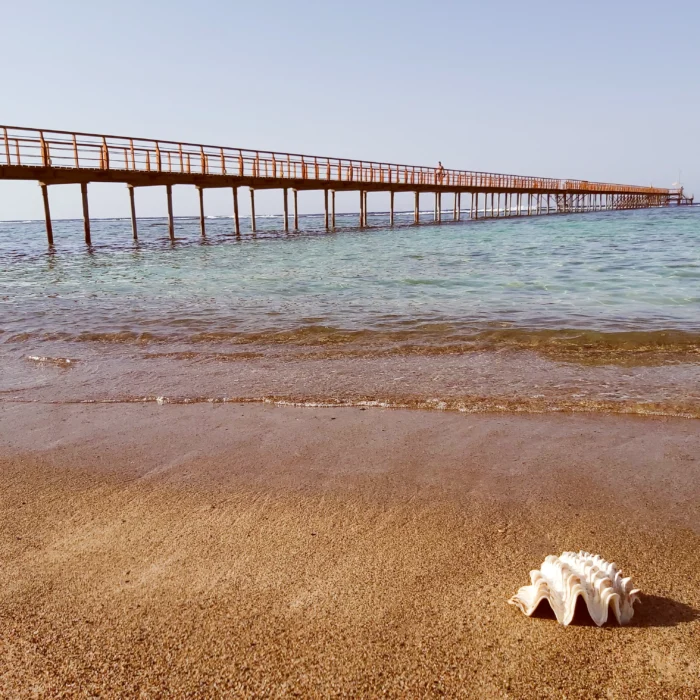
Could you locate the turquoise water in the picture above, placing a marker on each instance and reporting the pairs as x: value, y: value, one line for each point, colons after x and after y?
x: 596, y: 311
x: 608, y: 271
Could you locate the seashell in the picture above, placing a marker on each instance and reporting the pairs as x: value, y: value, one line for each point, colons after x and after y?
x: 561, y: 580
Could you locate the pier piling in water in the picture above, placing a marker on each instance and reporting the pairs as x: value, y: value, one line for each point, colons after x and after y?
x: 171, y: 220
x: 296, y: 210
x: 86, y: 212
x: 285, y: 202
x: 47, y: 213
x: 252, y: 210
x: 202, y: 227
x: 236, y: 222
x: 132, y: 206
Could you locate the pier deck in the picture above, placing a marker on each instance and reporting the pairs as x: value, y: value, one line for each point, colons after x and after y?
x: 61, y: 157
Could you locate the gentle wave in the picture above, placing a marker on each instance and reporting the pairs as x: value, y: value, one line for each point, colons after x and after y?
x: 583, y: 346
x: 465, y: 404
x: 55, y: 361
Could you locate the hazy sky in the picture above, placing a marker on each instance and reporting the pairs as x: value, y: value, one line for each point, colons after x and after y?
x: 596, y: 90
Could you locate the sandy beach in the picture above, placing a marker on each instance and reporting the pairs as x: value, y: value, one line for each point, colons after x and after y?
x: 250, y: 550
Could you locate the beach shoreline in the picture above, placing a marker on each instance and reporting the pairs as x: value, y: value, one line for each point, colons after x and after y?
x: 259, y: 550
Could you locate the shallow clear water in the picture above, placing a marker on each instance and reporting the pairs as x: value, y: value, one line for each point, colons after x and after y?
x: 607, y: 288
x: 606, y: 271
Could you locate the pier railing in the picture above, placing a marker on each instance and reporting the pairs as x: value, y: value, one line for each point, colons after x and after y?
x: 74, y: 150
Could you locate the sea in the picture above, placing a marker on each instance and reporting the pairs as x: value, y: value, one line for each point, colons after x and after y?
x: 596, y: 312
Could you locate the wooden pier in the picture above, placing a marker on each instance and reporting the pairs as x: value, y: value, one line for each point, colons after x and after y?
x: 62, y: 157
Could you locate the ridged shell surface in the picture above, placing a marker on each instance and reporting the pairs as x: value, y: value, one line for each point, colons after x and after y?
x: 561, y: 580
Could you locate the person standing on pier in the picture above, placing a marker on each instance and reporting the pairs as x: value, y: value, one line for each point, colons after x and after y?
x: 439, y: 173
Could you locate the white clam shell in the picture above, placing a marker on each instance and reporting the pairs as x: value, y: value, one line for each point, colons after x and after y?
x: 561, y: 580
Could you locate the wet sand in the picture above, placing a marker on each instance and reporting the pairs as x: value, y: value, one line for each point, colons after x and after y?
x: 249, y: 550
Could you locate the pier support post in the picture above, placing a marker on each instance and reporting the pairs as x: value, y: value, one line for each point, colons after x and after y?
x: 47, y: 213
x: 285, y: 200
x: 416, y: 207
x: 435, y: 211
x: 391, y: 208
x: 236, y: 222
x: 326, y: 218
x: 171, y: 222
x: 295, y: 197
x: 86, y: 213
x: 132, y: 203
x: 200, y: 191
x: 252, y: 210
x: 475, y: 199
x: 333, y: 209
x: 363, y: 209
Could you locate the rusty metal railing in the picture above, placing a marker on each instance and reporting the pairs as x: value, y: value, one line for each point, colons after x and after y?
x: 73, y: 150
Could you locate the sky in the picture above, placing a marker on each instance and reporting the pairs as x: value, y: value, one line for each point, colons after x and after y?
x: 597, y: 91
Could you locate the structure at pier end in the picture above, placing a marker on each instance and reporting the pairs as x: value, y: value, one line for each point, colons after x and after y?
x: 678, y: 196
x: 61, y: 157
